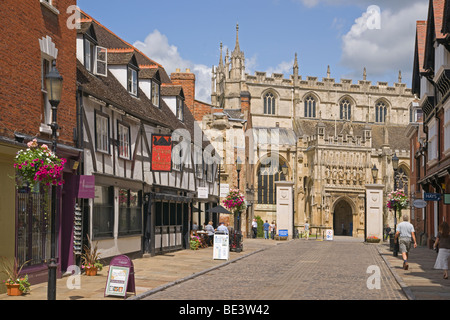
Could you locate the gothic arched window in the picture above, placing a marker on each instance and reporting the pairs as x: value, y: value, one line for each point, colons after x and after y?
x: 269, y: 103
x: 267, y: 175
x: 380, y: 112
x: 345, y: 110
x: 310, y: 107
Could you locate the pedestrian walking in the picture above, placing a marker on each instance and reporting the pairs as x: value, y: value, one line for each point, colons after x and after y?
x: 307, y: 230
x: 254, y: 228
x: 266, y: 226
x: 405, y: 234
x: 272, y: 230
x: 388, y: 231
x: 210, y: 231
x: 442, y: 243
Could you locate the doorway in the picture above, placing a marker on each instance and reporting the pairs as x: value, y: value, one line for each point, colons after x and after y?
x: 343, y: 219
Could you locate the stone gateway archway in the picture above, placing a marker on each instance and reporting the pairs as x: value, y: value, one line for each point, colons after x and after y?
x: 343, y: 218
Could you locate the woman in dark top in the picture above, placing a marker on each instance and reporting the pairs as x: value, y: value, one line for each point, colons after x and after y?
x: 443, y: 241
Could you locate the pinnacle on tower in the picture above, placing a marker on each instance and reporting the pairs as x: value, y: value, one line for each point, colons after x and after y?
x: 237, y: 49
x: 221, y: 58
x: 296, y: 65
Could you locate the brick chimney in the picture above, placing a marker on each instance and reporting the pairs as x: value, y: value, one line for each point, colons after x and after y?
x: 187, y: 81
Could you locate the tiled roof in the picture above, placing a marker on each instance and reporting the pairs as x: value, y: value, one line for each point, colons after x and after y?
x: 111, y: 91
x: 172, y: 90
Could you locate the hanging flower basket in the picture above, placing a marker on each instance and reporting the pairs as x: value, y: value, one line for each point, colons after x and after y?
x: 37, y: 164
x: 397, y: 200
x: 235, y: 201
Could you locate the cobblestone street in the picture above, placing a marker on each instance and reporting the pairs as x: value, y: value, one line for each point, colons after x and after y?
x: 303, y: 270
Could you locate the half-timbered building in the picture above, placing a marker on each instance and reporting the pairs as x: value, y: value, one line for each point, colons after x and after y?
x: 431, y: 141
x: 139, y: 149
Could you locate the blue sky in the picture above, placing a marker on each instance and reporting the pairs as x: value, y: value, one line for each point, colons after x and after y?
x: 344, y: 34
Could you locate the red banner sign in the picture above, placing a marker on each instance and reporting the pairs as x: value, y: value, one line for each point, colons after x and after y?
x: 161, y: 152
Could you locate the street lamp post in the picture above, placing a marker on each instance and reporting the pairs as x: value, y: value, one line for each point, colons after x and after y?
x: 395, y: 167
x: 53, y: 82
x: 374, y: 173
x: 238, y: 222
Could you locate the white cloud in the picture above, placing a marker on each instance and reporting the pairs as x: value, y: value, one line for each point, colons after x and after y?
x: 284, y: 67
x: 383, y: 4
x: 385, y: 49
x: 156, y: 46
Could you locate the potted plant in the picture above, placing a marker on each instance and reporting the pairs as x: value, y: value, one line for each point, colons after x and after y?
x: 373, y: 239
x: 16, y: 284
x: 90, y: 259
x: 194, y: 242
x: 38, y: 164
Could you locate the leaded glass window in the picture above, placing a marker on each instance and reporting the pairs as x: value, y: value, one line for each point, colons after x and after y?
x: 269, y: 103
x: 310, y: 107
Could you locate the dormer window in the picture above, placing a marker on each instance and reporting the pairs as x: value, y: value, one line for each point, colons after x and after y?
x: 89, y: 55
x: 95, y: 58
x: 132, y: 84
x: 180, y: 109
x: 155, y: 93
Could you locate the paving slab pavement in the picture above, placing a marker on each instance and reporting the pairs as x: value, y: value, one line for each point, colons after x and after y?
x: 150, y: 273
x: 420, y: 282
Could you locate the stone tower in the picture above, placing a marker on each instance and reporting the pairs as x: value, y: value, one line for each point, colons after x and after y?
x: 328, y: 134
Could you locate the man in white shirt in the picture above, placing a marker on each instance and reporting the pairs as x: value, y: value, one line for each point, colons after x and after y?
x: 222, y: 228
x: 254, y: 228
x: 404, y: 234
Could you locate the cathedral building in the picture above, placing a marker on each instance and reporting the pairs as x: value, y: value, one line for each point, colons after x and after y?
x: 330, y: 138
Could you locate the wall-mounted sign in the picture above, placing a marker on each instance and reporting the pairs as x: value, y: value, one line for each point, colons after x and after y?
x: 446, y: 198
x: 419, y: 203
x: 202, y: 192
x: 432, y: 196
x: 86, y: 187
x: 224, y: 190
x: 161, y: 152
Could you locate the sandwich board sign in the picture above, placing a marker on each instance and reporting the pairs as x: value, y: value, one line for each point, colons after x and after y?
x: 117, y: 282
x: 221, y: 246
x: 329, y: 234
x: 120, y: 277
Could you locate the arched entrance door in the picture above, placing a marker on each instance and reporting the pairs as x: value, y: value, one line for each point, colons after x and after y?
x: 343, y: 219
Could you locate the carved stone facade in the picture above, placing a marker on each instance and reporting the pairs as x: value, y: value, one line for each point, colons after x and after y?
x: 329, y: 135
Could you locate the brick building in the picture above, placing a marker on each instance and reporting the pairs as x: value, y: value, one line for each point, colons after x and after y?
x: 432, y: 145
x: 35, y: 34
